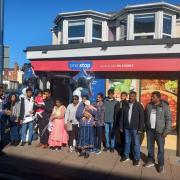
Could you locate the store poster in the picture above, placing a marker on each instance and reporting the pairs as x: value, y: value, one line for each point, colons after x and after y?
x: 98, y: 85
x: 121, y: 85
x: 168, y: 91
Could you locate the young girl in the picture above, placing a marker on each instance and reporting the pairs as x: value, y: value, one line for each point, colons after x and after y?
x: 58, y: 134
x: 85, y: 114
x: 38, y: 102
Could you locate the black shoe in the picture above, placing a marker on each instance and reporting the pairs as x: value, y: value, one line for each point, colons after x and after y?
x: 112, y: 150
x: 160, y: 169
x: 29, y: 143
x: 16, y: 143
x: 82, y: 154
x: 2, y: 154
x: 86, y: 155
x: 12, y: 143
x: 106, y: 149
x: 136, y: 163
x: 124, y: 159
x: 23, y: 143
x: 52, y: 148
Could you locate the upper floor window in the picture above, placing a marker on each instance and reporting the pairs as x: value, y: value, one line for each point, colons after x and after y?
x: 123, y: 29
x: 144, y: 26
x: 144, y: 23
x: 167, y: 26
x: 97, y: 31
x: 76, y: 31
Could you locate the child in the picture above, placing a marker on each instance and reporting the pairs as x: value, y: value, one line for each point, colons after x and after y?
x: 39, y: 100
x: 58, y: 135
x: 86, y: 122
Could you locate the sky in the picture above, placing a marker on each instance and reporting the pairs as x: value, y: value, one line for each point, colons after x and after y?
x: 28, y: 22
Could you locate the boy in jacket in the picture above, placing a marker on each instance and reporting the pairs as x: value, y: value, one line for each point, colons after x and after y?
x: 158, y: 125
x: 132, y: 124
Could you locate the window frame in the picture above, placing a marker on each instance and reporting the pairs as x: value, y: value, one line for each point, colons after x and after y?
x: 145, y: 34
x: 79, y: 22
x: 122, y: 38
x: 99, y: 23
x: 170, y: 35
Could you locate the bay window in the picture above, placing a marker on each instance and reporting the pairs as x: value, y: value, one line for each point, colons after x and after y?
x: 76, y: 32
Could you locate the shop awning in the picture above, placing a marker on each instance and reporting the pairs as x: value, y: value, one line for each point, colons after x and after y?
x: 170, y: 64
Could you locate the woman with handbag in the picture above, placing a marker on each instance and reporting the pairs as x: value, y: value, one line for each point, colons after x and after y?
x: 71, y: 123
x: 58, y: 135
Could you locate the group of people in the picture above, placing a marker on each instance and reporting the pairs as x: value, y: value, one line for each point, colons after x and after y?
x: 82, y: 123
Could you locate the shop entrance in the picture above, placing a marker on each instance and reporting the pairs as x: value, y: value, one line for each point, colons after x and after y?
x: 60, y: 88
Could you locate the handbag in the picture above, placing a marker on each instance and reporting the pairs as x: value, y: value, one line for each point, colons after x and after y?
x: 50, y: 126
x: 69, y: 126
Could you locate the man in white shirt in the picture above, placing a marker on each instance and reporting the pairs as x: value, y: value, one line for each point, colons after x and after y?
x: 71, y: 123
x: 158, y: 125
x: 26, y: 111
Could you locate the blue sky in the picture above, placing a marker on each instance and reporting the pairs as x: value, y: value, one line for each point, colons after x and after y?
x: 28, y: 22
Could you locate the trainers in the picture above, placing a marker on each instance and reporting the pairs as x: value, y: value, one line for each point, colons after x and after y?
x: 23, y: 143
x: 160, y: 169
x: 149, y: 164
x: 71, y: 149
x: 136, y: 163
x: 106, y: 149
x: 124, y: 159
x: 92, y: 150
x: 112, y: 150
x: 98, y: 151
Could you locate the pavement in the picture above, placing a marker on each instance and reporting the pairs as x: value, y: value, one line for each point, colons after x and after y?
x: 30, y: 162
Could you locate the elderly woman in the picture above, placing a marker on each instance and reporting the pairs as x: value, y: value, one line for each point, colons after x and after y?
x: 85, y: 115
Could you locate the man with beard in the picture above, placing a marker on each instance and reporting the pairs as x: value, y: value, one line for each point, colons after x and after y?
x: 118, y: 115
x: 43, y: 122
x: 158, y: 125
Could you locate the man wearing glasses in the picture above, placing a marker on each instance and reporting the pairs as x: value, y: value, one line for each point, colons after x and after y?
x: 71, y: 123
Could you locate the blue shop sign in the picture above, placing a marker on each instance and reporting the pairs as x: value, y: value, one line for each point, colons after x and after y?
x: 86, y: 65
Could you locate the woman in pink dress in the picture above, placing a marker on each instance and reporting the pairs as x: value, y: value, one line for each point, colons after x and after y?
x: 58, y: 135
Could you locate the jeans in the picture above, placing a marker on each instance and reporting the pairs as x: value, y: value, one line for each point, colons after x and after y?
x: 27, y: 126
x: 14, y: 133
x: 131, y: 136
x: 98, y: 137
x: 153, y: 136
x: 110, y: 137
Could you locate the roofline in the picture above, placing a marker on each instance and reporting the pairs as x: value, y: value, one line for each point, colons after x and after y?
x: 146, y: 6
x: 105, y: 44
x: 83, y: 13
x: 152, y: 4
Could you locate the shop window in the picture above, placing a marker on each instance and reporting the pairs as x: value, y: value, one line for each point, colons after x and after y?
x: 123, y: 28
x: 97, y: 30
x: 76, y: 31
x: 167, y: 26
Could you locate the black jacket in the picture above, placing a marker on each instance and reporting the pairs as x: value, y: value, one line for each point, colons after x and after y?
x: 137, y: 118
x: 48, y: 108
x: 118, y: 113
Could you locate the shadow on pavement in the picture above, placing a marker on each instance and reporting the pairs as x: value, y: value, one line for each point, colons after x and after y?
x: 21, y: 168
